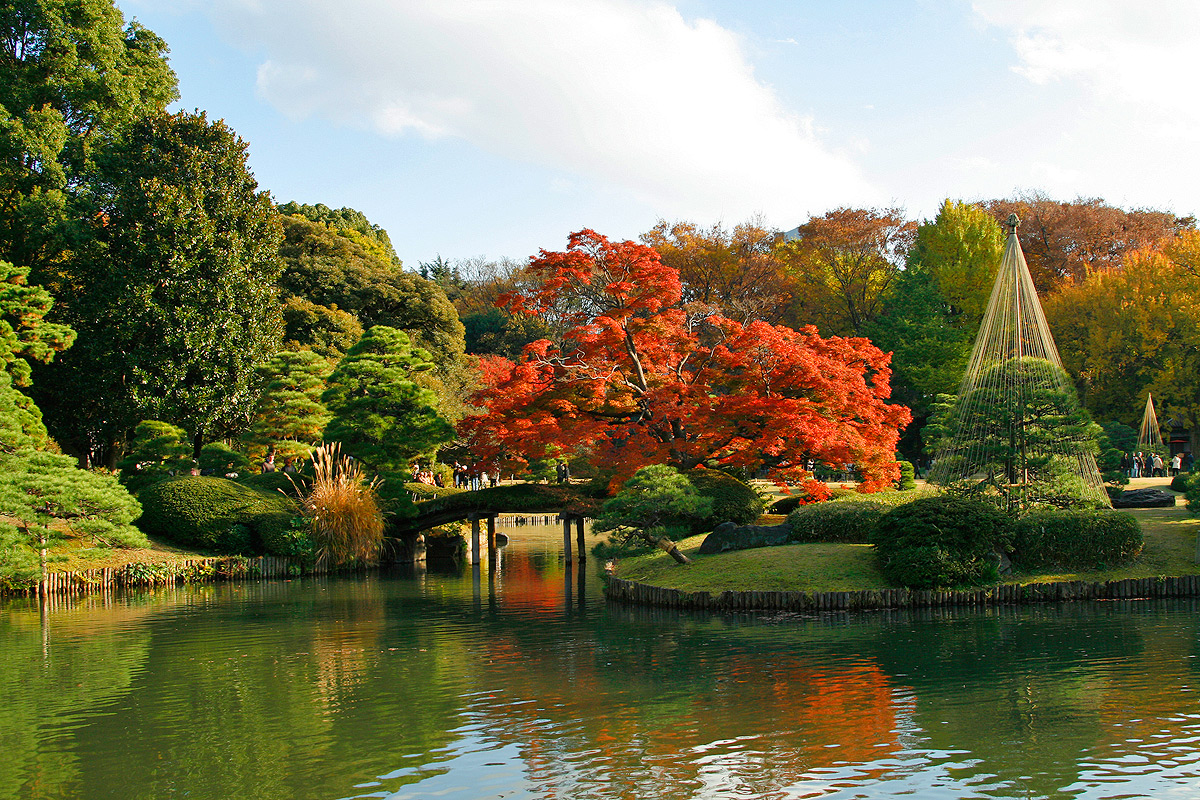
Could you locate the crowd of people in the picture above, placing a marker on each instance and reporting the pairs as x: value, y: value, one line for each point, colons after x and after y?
x: 1153, y: 465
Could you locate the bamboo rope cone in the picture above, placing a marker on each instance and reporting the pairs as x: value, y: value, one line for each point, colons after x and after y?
x: 1016, y: 428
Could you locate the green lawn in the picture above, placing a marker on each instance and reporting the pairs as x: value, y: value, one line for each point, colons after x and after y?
x: 1170, y: 536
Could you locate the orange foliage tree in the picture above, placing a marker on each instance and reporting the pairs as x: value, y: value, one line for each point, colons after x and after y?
x: 641, y: 378
x: 1065, y: 242
x: 845, y: 264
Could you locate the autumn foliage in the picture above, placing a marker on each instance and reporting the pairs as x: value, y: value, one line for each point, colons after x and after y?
x: 640, y: 378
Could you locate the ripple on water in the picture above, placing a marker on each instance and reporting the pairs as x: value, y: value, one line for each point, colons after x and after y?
x: 523, y: 684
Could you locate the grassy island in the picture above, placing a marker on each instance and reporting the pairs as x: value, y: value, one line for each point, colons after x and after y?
x: 1169, y: 551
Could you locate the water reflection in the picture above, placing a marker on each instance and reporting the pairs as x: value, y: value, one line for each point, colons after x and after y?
x: 518, y: 681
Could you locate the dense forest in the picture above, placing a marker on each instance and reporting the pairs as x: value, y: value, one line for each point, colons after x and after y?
x: 147, y: 276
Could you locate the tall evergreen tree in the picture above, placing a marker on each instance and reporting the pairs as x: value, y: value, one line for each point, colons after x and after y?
x: 39, y: 488
x: 173, y: 293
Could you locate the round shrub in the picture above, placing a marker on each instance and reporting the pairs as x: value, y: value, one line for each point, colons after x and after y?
x: 218, y: 458
x: 1183, y: 481
x: 732, y: 500
x: 786, y: 505
x: 209, y: 513
x: 835, y: 522
x: 943, y: 541
x: 1076, y: 539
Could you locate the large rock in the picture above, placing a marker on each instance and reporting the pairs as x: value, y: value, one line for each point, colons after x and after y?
x: 1144, y: 498
x: 729, y: 536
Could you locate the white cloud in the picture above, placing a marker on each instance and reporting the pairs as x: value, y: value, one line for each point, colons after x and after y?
x: 619, y: 92
x: 1143, y: 55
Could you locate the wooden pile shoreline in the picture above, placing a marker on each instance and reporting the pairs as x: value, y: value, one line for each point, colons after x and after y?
x: 623, y: 591
x: 236, y: 568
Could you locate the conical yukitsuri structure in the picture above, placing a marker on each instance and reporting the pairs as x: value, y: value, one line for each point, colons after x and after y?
x: 1149, y: 435
x: 1017, y: 429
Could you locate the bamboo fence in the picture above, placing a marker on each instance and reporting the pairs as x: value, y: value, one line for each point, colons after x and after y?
x: 196, y: 570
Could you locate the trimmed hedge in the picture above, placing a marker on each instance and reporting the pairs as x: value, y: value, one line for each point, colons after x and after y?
x: 941, y: 542
x: 732, y: 500
x: 835, y: 522
x: 424, y: 491
x: 214, y: 514
x: 1076, y: 539
x: 908, y: 476
x: 272, y: 481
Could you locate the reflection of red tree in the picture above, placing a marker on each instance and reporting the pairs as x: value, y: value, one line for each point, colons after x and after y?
x: 528, y: 586
x: 764, y: 731
x: 1153, y: 686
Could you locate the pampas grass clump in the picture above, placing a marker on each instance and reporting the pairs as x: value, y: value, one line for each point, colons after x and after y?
x: 347, y: 523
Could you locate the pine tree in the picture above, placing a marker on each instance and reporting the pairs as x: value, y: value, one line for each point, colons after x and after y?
x: 290, y: 416
x: 42, y: 492
x: 380, y: 415
x: 157, y: 451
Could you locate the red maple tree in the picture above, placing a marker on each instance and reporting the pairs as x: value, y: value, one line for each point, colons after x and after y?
x: 639, y: 378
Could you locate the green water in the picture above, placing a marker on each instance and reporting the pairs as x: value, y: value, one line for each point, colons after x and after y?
x: 526, y: 685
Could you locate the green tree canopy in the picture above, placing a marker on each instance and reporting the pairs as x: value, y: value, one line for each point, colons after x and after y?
x: 73, y: 77
x: 381, y: 415
x: 960, y: 250
x: 346, y: 220
x: 157, y: 451
x: 333, y: 267
x: 173, y: 294
x: 933, y: 311
x: 326, y: 330
x: 21, y: 424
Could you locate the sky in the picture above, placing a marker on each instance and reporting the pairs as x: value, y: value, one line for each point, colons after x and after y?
x: 494, y: 128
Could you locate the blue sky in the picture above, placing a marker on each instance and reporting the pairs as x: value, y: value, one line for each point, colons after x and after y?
x: 489, y: 128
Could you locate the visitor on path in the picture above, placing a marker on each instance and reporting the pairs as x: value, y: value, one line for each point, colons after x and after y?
x: 1188, y: 461
x: 1156, y: 466
x: 269, y: 464
x: 1176, y: 464
x: 289, y: 466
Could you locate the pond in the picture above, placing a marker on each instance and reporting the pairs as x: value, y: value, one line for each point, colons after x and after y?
x: 525, y: 684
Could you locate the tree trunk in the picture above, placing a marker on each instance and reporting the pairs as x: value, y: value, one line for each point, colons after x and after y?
x: 671, y: 549
x: 112, y: 455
